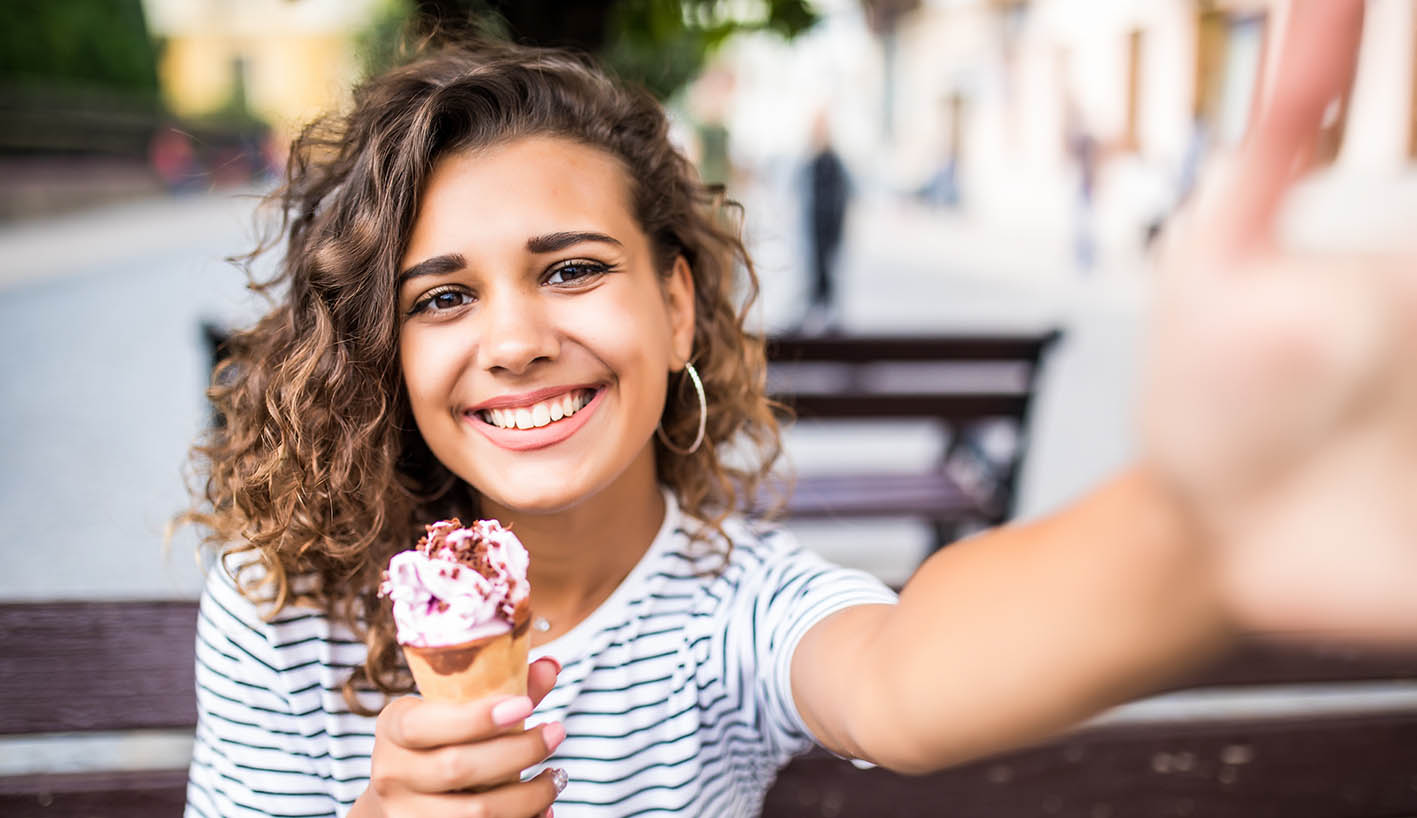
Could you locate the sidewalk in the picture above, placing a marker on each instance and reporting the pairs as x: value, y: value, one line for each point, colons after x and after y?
x: 104, y: 368
x: 106, y: 236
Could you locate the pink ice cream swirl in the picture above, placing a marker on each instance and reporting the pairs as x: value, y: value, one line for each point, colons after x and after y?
x: 457, y: 585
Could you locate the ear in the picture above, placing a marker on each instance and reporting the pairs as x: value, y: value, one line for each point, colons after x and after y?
x: 679, y: 298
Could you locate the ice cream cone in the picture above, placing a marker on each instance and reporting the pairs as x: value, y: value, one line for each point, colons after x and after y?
x: 457, y: 585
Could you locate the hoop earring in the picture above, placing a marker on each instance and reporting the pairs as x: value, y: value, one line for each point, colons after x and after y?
x: 703, y: 417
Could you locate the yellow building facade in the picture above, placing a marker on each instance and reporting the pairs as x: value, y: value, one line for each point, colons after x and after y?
x: 286, y: 61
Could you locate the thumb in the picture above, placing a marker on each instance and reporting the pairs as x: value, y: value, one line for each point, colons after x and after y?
x: 541, y: 677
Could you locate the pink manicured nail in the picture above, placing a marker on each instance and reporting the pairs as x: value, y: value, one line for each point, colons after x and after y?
x: 559, y: 779
x: 552, y: 660
x: 553, y: 733
x: 511, y: 711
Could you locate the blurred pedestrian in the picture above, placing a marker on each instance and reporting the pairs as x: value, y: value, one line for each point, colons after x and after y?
x: 828, y: 194
x: 1083, y: 147
x: 174, y: 160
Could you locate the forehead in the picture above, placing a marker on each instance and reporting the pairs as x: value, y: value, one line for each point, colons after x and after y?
x: 530, y: 186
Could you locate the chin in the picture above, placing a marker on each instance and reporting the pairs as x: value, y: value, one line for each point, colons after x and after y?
x: 530, y: 499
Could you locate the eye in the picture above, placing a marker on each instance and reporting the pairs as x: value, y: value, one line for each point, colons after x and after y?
x: 442, y: 299
x: 580, y: 271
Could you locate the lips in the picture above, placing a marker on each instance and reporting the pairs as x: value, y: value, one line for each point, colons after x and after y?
x: 535, y: 420
x: 538, y: 414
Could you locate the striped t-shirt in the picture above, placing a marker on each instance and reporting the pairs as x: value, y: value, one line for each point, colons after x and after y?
x: 675, y: 692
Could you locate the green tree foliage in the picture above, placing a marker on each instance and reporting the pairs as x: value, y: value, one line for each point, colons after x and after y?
x: 378, y: 45
x: 98, y: 44
x: 661, y: 44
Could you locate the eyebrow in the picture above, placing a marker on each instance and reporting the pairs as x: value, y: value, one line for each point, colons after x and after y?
x: 435, y: 266
x: 548, y: 243
x: 551, y: 242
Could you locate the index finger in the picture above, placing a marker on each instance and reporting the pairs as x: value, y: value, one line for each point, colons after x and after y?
x: 1315, y: 69
x: 417, y: 724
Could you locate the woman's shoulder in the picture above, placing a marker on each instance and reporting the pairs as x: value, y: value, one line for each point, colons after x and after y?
x: 763, y: 558
x: 758, y: 542
x: 237, y: 600
x: 741, y: 554
x: 737, y: 541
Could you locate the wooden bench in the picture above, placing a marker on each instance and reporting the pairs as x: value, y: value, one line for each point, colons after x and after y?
x: 976, y: 389
x: 1271, y: 732
x: 89, y: 667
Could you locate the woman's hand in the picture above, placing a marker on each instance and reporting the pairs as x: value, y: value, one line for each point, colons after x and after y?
x: 1282, y: 394
x: 429, y: 756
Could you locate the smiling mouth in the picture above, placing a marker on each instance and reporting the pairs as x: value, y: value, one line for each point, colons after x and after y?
x: 539, y: 414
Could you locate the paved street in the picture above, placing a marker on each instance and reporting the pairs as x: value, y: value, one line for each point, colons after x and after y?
x: 103, y: 369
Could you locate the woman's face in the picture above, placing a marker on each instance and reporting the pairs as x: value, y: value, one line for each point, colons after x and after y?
x: 537, y: 336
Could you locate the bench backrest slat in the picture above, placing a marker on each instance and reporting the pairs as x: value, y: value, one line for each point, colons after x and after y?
x: 865, y: 348
x: 952, y: 407
x: 1343, y: 767
x: 120, y: 794
x: 80, y: 666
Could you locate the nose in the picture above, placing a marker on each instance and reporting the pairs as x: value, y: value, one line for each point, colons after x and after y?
x: 516, y: 332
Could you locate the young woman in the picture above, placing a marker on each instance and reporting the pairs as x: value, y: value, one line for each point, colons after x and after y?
x: 504, y: 295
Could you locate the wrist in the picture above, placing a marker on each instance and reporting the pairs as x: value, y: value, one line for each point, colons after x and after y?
x: 1172, y: 518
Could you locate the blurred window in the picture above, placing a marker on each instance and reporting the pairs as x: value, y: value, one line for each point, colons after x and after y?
x: 1240, y: 72
x: 1136, y: 43
x: 1230, y: 54
x: 1412, y: 109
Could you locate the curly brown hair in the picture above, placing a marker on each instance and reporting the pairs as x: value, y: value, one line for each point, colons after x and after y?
x: 316, y: 471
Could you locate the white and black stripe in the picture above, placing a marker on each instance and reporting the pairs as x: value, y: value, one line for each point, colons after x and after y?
x: 675, y: 693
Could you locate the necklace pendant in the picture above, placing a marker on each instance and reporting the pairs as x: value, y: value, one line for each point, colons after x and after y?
x: 539, y: 624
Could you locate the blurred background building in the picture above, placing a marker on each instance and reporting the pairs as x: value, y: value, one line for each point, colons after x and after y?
x: 283, y: 62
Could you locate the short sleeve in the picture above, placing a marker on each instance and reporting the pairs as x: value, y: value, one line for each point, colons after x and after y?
x: 798, y: 589
x: 251, y: 756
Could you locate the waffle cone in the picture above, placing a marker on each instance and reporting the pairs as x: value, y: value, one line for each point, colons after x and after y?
x: 472, y: 670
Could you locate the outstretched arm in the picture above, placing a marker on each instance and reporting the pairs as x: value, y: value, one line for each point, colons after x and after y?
x: 1276, y: 495
x: 1015, y: 633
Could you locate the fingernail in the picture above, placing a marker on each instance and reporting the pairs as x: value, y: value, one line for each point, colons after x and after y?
x: 553, y: 734
x: 559, y: 779
x: 553, y: 661
x: 550, y: 812
x: 511, y: 711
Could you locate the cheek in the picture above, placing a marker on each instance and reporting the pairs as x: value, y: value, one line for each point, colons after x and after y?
x: 633, y: 338
x: 429, y: 372
x: 652, y: 353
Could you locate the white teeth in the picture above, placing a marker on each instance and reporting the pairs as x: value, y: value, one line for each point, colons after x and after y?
x: 540, y: 414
